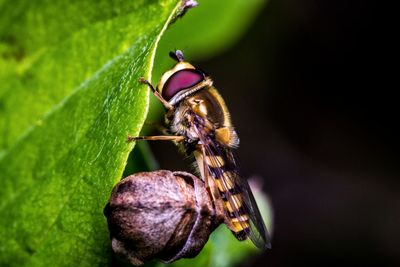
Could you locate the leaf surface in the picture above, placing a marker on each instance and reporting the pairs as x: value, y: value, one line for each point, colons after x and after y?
x: 69, y: 97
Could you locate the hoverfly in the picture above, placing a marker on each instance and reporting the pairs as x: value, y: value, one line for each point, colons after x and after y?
x: 198, y: 119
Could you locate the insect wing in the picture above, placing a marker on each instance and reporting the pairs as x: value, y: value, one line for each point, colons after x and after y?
x: 257, y: 233
x: 225, y: 168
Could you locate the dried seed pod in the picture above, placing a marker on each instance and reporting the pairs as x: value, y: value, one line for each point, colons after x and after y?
x: 160, y: 215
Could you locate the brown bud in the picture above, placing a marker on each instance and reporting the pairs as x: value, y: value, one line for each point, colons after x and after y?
x: 160, y: 215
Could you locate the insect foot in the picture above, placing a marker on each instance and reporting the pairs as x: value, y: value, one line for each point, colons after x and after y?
x: 160, y: 215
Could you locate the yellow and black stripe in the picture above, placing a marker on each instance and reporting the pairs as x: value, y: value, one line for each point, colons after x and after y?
x: 223, y: 173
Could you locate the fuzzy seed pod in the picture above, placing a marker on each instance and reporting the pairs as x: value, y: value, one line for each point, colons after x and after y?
x: 160, y: 215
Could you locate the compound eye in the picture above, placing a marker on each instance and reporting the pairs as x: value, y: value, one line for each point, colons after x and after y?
x: 181, y: 80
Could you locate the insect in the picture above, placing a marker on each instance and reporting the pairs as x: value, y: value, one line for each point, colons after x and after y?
x: 198, y: 120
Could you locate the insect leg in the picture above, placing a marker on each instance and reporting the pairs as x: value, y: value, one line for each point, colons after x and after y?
x: 176, y: 138
x: 156, y: 94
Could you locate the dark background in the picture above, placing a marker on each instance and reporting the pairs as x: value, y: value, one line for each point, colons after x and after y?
x: 309, y: 95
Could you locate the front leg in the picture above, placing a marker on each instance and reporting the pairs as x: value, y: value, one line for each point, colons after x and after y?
x: 176, y: 138
x: 165, y: 103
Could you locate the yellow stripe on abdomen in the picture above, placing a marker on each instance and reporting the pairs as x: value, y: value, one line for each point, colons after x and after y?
x: 215, y: 161
x: 223, y: 177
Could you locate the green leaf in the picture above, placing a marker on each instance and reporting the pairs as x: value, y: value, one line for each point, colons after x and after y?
x: 69, y: 97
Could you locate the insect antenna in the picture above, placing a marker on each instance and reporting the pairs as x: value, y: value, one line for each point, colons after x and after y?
x: 177, y: 55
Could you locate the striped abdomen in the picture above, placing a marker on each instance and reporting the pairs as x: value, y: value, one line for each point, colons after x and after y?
x: 222, y: 170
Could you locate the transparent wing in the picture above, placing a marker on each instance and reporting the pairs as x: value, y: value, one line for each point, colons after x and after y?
x: 222, y: 165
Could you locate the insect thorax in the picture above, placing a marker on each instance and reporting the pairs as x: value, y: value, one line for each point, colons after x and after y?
x: 198, y: 114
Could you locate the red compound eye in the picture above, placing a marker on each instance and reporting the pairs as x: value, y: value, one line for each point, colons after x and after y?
x: 181, y: 80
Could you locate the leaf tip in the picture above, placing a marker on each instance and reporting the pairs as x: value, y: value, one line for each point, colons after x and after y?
x: 185, y: 5
x: 189, y: 3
